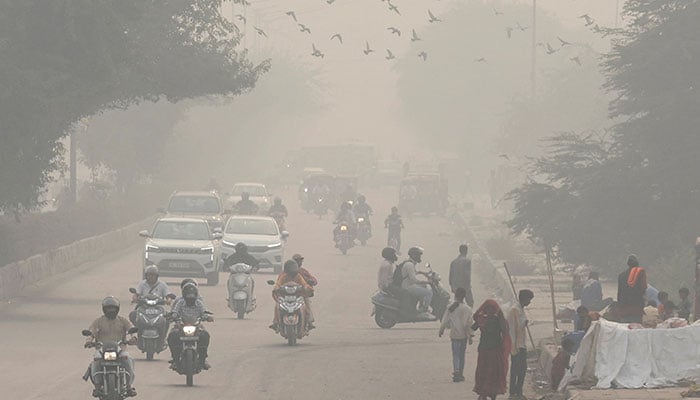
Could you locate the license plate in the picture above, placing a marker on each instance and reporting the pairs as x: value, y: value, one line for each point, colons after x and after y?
x: 150, y: 332
x: 152, y: 311
x: 178, y: 265
x: 189, y: 338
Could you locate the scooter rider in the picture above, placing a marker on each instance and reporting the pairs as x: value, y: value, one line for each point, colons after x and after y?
x: 241, y: 256
x: 150, y: 285
x: 290, y: 274
x: 312, y: 281
x: 111, y: 327
x: 348, y: 216
x: 362, y: 209
x: 417, y: 288
x: 246, y: 206
x: 386, y: 269
x: 191, y: 307
x: 278, y: 207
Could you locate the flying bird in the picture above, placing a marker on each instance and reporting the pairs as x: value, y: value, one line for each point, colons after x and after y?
x: 589, y: 21
x: 338, y: 36
x: 433, y: 18
x: 479, y: 60
x: 241, y: 17
x: 393, y: 8
x: 423, y: 55
x: 509, y: 32
x: 564, y: 42
x: 316, y: 52
x: 576, y: 60
x: 304, y: 28
x: 522, y: 28
x: 367, y: 49
x: 550, y: 49
x: 495, y: 11
x: 389, y: 55
x: 292, y: 14
x: 260, y: 31
x: 415, y: 37
x: 394, y: 30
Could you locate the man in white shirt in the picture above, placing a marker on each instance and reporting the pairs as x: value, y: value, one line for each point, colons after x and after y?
x: 458, y: 320
x: 517, y: 324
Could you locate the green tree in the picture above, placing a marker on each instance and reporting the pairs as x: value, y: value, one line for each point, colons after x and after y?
x: 67, y: 59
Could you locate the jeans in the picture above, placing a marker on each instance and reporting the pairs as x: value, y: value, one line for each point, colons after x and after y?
x: 175, y: 344
x: 518, y: 368
x: 425, y: 294
x: 127, y: 363
x: 459, y: 348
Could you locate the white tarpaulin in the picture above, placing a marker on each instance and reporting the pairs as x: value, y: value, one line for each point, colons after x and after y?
x: 635, y: 358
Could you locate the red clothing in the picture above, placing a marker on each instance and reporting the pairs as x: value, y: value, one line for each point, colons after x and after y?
x: 310, y: 279
x: 494, y: 350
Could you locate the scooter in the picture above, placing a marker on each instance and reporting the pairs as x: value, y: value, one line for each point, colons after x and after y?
x: 188, y: 364
x: 320, y: 206
x: 152, y: 324
x: 111, y: 378
x: 397, y: 306
x: 343, y: 239
x: 241, y: 286
x: 363, y: 230
x: 292, y: 311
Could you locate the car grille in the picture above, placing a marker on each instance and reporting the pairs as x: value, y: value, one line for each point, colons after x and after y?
x: 178, y: 250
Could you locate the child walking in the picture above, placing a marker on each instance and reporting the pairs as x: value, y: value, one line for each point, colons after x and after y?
x: 457, y: 319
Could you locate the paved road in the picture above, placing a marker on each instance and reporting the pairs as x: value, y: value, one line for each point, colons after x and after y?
x: 347, y: 357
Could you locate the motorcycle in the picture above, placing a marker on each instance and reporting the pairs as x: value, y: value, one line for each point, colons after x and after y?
x: 151, y: 323
x: 110, y: 377
x: 292, y: 311
x: 188, y: 364
x: 241, y: 299
x: 397, y: 306
x: 343, y: 238
x: 320, y: 206
x: 363, y: 229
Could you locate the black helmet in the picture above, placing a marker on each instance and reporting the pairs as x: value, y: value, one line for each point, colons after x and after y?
x: 186, y: 281
x: 346, y: 206
x: 291, y: 267
x: 394, y: 209
x: 415, y: 253
x: 240, y: 246
x: 190, y: 293
x: 389, y: 253
x: 298, y: 258
x: 361, y: 199
x: 110, y: 307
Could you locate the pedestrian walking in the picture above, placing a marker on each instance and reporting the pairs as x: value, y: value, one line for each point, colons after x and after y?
x: 494, y: 347
x: 631, y: 287
x: 461, y: 274
x: 517, y: 323
x: 457, y: 319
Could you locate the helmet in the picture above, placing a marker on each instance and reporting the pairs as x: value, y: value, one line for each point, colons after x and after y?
x: 245, y: 195
x: 298, y: 258
x: 291, y: 267
x: 415, y: 253
x: 240, y: 246
x: 151, y: 269
x: 394, y: 209
x: 190, y: 293
x: 346, y: 206
x: 361, y: 198
x: 186, y: 281
x: 278, y: 201
x: 389, y: 253
x: 110, y: 307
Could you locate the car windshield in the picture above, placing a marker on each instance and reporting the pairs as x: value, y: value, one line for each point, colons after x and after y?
x: 251, y: 227
x: 194, y: 204
x: 253, y: 190
x: 181, y: 230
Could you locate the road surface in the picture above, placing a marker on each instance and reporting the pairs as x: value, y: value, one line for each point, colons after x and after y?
x: 346, y: 357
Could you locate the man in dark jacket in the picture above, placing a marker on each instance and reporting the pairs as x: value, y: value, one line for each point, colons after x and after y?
x: 241, y: 256
x: 461, y: 274
x: 631, y: 285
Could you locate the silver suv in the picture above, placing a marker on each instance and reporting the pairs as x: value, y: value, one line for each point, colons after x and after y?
x: 205, y: 205
x: 183, y: 247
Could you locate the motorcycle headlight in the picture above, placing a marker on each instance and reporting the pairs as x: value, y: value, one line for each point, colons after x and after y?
x: 151, y: 302
x: 189, y: 330
x: 343, y: 228
x: 360, y: 219
x: 110, y: 356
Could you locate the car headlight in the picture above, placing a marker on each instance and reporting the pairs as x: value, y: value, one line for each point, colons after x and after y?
x: 207, y: 250
x: 110, y: 355
x: 151, y: 248
x: 189, y: 330
x: 274, y: 246
x: 228, y: 244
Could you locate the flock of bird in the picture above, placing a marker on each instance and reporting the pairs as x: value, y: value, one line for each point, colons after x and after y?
x: 549, y: 49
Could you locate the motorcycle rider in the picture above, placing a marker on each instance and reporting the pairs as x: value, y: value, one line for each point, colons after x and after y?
x: 290, y: 274
x: 362, y: 209
x: 312, y: 281
x: 278, y: 207
x: 182, y: 285
x: 192, y: 307
x: 246, y: 206
x: 345, y: 215
x: 386, y: 269
x: 150, y: 285
x: 111, y: 327
x: 241, y: 256
x: 415, y: 287
x: 395, y: 224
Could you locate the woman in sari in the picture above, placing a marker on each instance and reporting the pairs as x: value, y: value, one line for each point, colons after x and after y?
x: 494, y: 351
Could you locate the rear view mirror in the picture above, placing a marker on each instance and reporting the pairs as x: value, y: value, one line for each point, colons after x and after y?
x: 86, y: 332
x: 284, y: 234
x: 132, y: 330
x: 271, y: 282
x: 144, y: 234
x: 132, y: 290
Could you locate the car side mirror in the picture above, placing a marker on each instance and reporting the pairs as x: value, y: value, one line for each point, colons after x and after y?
x: 217, y: 235
x: 132, y: 330
x: 284, y: 234
x: 86, y: 332
x: 132, y: 290
x: 271, y: 282
x: 144, y: 234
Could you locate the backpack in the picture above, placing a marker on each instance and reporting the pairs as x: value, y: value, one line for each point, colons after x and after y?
x: 397, y: 279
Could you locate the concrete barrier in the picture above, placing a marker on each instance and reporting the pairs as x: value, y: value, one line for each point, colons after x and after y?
x: 16, y: 276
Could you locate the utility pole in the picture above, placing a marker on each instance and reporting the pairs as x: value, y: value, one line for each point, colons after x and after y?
x: 617, y: 12
x: 73, y: 183
x: 696, y: 302
x: 533, y: 76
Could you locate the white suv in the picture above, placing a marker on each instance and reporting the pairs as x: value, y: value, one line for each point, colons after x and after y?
x: 183, y: 247
x: 262, y: 236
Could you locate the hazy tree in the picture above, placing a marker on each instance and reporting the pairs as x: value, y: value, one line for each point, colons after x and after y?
x: 67, y: 59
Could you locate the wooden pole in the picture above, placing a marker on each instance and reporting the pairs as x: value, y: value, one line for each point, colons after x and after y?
x: 550, y: 274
